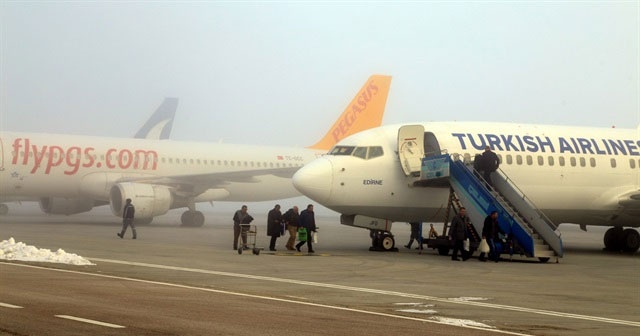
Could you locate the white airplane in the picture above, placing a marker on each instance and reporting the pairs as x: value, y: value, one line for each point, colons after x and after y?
x: 77, y: 173
x: 581, y: 175
x: 157, y: 127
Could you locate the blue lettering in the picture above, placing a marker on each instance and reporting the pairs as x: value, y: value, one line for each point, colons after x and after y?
x: 494, y: 141
x: 533, y: 146
x: 585, y: 145
x: 460, y: 136
x: 575, y: 145
x: 481, y: 146
x: 598, y: 150
x: 632, y: 147
x: 545, y: 143
x: 508, y: 143
x: 617, y: 145
x: 565, y: 146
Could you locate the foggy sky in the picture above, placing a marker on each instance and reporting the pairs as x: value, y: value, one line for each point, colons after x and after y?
x: 279, y: 73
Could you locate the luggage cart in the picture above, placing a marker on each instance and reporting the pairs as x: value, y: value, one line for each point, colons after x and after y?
x: 251, y: 232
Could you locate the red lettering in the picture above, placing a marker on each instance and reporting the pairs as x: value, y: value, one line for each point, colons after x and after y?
x: 73, y: 160
x: 108, y: 159
x: 55, y: 158
x: 88, y: 154
x: 16, y: 150
x: 37, y: 157
x: 125, y: 154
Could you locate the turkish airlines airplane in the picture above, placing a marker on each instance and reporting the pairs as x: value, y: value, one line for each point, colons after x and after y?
x: 582, y: 175
x: 157, y: 127
x: 77, y: 173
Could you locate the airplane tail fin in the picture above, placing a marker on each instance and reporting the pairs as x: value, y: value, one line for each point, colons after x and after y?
x: 158, y: 127
x: 365, y: 111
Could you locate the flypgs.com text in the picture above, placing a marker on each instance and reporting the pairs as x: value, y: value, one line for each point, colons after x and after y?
x: 534, y: 144
x: 48, y: 157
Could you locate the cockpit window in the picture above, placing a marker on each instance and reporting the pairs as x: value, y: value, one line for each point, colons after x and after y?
x: 375, y: 151
x: 365, y: 153
x: 342, y: 150
x: 360, y: 152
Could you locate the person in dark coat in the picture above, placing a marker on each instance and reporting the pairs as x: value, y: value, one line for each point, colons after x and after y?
x: 241, y: 217
x: 458, y: 233
x: 490, y: 163
x: 291, y: 218
x: 274, y: 226
x: 307, y: 221
x: 416, y: 234
x: 128, y: 213
x: 491, y: 232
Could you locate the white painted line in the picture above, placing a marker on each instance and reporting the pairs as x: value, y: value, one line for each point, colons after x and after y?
x: 6, y: 305
x: 80, y: 319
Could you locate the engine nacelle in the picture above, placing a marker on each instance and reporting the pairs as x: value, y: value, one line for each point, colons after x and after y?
x: 150, y: 200
x: 65, y: 206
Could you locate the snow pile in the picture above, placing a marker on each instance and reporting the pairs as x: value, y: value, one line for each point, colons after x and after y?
x: 10, y: 250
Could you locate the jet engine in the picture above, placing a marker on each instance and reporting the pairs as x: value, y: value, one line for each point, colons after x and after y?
x: 149, y: 200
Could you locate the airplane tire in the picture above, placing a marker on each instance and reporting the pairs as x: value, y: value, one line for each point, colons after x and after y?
x: 612, y: 239
x: 4, y: 209
x: 387, y: 243
x: 443, y: 250
x: 192, y: 218
x: 630, y: 240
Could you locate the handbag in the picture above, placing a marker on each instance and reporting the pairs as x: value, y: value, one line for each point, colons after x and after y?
x: 302, y: 234
x: 484, y: 246
x: 466, y: 244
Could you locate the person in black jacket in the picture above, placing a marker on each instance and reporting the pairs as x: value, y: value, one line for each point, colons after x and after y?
x: 491, y: 232
x: 241, y: 217
x: 307, y: 221
x: 458, y: 233
x: 490, y: 163
x: 128, y: 213
x: 291, y: 218
x: 274, y: 227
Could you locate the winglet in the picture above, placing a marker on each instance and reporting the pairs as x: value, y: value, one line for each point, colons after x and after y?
x: 158, y: 127
x: 365, y: 111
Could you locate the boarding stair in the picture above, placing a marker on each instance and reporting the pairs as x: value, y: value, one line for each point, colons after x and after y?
x: 534, y: 234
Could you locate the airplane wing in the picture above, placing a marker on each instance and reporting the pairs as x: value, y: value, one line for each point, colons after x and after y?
x: 630, y: 200
x: 198, y: 183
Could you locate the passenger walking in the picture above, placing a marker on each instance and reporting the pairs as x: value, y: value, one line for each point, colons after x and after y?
x: 128, y: 213
x: 458, y: 233
x: 291, y: 219
x: 490, y: 163
x: 416, y: 233
x: 274, y: 226
x: 307, y: 221
x: 241, y: 217
x: 491, y: 233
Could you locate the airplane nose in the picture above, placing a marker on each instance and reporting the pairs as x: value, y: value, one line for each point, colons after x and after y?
x: 314, y: 180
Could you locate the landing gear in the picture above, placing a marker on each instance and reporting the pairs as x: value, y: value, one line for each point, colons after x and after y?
x: 192, y: 218
x: 382, y: 241
x: 4, y: 209
x: 618, y: 239
x: 143, y: 221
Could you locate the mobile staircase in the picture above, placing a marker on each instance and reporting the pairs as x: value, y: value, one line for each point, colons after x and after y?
x: 532, y: 233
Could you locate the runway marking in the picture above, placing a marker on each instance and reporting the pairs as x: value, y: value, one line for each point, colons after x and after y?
x: 6, y: 305
x: 80, y: 319
x: 377, y: 291
x: 342, y: 287
x: 256, y: 297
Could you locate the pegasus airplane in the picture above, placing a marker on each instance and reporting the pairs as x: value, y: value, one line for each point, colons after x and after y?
x: 72, y: 174
x: 582, y: 175
x: 158, y: 126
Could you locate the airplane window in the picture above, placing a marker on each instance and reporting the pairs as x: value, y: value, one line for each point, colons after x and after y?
x: 375, y: 151
x: 342, y: 150
x: 583, y: 162
x: 271, y: 164
x: 540, y: 160
x: 500, y: 158
x: 592, y: 162
x: 198, y: 161
x: 551, y: 160
x: 360, y: 152
x: 561, y: 161
x: 509, y: 159
x: 191, y: 161
x: 613, y: 163
x: 573, y: 162
x: 632, y: 163
x: 529, y: 160
x: 519, y: 159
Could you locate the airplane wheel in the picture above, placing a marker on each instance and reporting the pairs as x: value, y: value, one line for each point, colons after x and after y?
x: 4, y: 209
x: 630, y: 240
x: 192, y: 218
x: 387, y: 242
x: 443, y: 250
x: 612, y: 239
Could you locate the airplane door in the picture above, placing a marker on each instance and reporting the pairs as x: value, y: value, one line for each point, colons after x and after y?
x: 411, y: 148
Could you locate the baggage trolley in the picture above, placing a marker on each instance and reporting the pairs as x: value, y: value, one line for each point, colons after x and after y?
x: 249, y: 231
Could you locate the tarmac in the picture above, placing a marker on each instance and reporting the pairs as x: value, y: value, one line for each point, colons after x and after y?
x: 174, y: 280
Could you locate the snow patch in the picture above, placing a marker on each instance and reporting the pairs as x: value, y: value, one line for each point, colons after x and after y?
x: 10, y: 250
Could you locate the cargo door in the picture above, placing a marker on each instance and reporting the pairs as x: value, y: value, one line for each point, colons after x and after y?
x: 411, y: 148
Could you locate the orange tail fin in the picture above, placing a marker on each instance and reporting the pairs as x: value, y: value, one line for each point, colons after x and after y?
x: 365, y: 111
